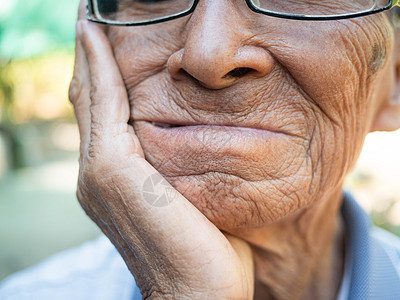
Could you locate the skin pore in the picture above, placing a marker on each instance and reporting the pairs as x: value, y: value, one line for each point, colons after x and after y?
x: 290, y: 103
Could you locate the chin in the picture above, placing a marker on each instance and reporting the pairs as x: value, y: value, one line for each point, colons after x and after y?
x: 232, y: 203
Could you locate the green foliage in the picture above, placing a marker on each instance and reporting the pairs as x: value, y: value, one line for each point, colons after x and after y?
x: 29, y: 28
x: 6, y: 92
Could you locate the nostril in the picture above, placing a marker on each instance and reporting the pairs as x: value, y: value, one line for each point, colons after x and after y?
x: 238, y: 72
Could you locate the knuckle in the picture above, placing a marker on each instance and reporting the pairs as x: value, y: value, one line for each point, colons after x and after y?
x: 73, y: 91
x: 76, y: 90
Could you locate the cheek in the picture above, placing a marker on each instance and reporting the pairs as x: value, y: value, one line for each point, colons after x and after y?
x: 336, y: 65
x: 143, y: 52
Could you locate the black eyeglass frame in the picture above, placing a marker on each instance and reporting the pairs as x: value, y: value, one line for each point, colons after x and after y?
x: 90, y: 13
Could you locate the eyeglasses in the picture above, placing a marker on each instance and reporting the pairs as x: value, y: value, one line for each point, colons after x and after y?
x: 145, y: 12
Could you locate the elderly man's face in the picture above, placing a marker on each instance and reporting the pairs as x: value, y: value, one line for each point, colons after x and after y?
x: 277, y: 109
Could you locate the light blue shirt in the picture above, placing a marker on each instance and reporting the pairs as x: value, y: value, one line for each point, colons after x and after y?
x: 96, y: 271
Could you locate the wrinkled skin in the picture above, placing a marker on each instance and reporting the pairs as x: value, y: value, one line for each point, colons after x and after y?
x: 311, y: 91
x: 310, y: 83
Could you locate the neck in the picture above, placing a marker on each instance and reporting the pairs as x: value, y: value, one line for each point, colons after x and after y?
x: 301, y: 257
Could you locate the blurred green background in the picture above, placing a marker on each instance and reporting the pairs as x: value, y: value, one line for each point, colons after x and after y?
x: 39, y: 213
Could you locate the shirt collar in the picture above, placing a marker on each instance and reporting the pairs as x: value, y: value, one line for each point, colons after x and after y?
x: 369, y: 272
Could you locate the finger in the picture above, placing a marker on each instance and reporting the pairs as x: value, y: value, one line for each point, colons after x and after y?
x: 244, y: 253
x: 79, y: 89
x: 109, y: 99
x: 82, y: 10
x: 109, y: 105
x: 79, y: 94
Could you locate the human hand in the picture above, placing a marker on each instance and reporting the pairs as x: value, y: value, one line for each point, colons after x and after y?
x: 173, y: 251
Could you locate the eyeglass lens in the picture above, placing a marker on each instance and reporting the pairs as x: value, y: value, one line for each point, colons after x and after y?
x: 131, y: 11
x: 139, y: 10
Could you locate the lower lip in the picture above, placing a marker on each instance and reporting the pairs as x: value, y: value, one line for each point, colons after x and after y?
x: 209, y: 138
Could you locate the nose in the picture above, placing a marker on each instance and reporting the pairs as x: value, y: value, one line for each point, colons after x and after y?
x: 217, y: 52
